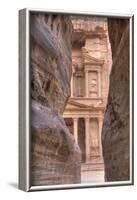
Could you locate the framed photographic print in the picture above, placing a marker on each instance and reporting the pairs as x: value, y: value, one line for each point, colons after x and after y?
x: 75, y: 99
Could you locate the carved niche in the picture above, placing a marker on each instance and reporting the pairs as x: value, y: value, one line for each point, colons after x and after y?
x: 78, y: 79
x: 93, y: 84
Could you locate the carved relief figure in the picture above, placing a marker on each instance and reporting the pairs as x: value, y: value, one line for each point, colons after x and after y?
x: 93, y: 87
x: 78, y: 79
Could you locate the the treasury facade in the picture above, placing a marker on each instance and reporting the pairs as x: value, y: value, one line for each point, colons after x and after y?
x: 91, y: 65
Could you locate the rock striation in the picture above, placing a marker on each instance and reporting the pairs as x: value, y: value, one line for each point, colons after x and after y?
x: 115, y: 133
x: 55, y: 157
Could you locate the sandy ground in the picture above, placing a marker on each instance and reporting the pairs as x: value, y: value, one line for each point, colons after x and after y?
x: 92, y: 176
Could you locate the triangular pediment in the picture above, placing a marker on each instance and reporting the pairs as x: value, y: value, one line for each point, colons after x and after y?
x: 74, y: 104
x: 88, y: 59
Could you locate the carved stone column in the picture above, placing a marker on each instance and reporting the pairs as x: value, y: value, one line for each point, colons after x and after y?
x: 72, y: 85
x: 100, y: 123
x: 99, y: 84
x: 75, y: 129
x: 78, y: 85
x: 86, y: 83
x: 87, y: 140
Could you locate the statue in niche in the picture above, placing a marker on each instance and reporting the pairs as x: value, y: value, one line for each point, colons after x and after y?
x: 93, y: 87
x: 78, y: 80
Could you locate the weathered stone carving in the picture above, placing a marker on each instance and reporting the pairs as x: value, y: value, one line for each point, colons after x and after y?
x: 94, y: 146
x: 89, y: 85
x: 93, y: 87
x: 115, y: 134
x: 55, y: 157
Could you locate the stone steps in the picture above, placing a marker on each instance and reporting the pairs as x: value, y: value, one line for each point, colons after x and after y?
x: 92, y: 167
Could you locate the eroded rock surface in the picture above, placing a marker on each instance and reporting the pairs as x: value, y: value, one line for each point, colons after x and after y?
x: 115, y: 135
x: 55, y: 156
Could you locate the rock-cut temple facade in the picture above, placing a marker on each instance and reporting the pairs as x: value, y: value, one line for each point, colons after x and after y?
x: 91, y: 65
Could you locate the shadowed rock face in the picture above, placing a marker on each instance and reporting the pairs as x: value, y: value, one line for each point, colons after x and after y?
x: 115, y: 134
x: 55, y: 156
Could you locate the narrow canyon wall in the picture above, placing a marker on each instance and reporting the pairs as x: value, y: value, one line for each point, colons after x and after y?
x: 115, y: 133
x: 55, y: 157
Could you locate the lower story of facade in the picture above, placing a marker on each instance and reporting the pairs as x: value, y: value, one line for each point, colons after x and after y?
x: 85, y: 123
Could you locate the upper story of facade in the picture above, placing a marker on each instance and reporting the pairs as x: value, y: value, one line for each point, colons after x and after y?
x: 91, y: 61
